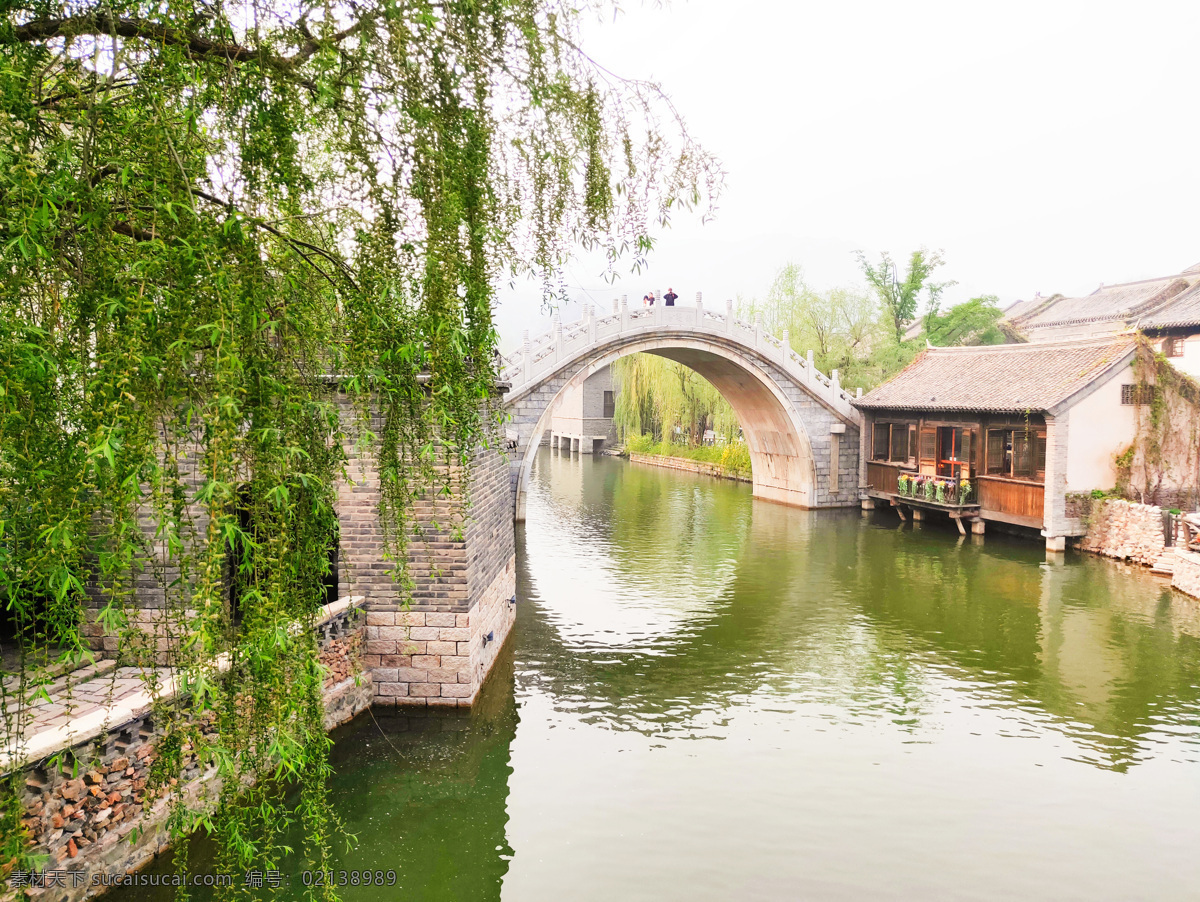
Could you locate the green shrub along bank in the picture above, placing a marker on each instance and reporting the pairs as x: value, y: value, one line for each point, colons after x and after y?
x: 734, y: 457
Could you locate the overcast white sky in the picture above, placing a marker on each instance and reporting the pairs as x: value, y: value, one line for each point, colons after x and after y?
x: 1043, y: 146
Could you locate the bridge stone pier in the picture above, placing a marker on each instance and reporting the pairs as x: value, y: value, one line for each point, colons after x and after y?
x: 800, y: 427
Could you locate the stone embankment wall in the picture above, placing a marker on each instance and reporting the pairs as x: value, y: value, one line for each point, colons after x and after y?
x: 1186, y: 575
x: 87, y: 805
x: 1127, y: 531
x: 1134, y: 532
x: 691, y: 466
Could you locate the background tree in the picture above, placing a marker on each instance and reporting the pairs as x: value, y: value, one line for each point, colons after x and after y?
x: 204, y: 209
x: 899, y: 297
x: 973, y: 322
x: 654, y: 396
x: 839, y: 325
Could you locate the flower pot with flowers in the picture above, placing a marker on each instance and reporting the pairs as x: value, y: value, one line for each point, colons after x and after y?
x: 964, y: 491
x: 930, y: 488
x: 940, y: 491
x: 902, y: 484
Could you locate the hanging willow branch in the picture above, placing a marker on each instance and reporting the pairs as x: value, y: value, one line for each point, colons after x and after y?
x: 206, y: 209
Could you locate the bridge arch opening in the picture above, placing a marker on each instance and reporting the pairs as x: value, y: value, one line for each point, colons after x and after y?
x: 781, y: 453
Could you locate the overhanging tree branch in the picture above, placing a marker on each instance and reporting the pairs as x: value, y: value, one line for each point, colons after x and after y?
x: 102, y: 24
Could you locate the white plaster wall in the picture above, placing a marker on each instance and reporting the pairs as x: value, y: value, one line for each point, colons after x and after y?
x: 1190, y: 361
x: 1101, y: 427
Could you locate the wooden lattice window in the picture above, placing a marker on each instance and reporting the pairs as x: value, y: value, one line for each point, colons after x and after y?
x: 1018, y: 453
x: 894, y: 442
x: 883, y: 433
x: 928, y: 444
x: 996, y: 449
x: 1173, y: 347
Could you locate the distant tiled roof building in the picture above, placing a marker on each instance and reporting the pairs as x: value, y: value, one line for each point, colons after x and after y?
x: 1166, y: 308
x: 1182, y: 312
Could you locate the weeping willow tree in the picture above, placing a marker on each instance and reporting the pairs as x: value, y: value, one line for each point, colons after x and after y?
x: 655, y: 396
x: 207, y: 209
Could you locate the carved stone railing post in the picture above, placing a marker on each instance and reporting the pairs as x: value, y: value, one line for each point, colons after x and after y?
x: 834, y: 388
x: 729, y: 316
x: 624, y: 312
x: 784, y: 345
x: 556, y: 328
x: 758, y: 331
x: 809, y: 370
x: 590, y: 316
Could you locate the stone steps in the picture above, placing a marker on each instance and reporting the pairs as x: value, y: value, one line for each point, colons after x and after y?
x: 1165, y: 565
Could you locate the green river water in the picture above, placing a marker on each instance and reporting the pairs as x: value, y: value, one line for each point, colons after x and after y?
x: 710, y: 697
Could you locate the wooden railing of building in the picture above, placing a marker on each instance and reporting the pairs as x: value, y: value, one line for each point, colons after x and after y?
x: 882, y: 477
x: 1024, y: 502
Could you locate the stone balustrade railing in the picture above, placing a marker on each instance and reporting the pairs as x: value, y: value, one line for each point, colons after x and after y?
x: 332, y: 623
x: 538, y: 358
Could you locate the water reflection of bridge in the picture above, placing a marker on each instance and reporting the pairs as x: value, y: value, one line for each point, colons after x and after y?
x: 1088, y: 648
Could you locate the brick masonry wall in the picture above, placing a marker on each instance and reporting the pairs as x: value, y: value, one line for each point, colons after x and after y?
x: 431, y: 653
x: 457, y: 543
x: 460, y: 554
x: 156, y: 582
x: 594, y: 421
x: 1184, y: 499
x: 1054, y: 511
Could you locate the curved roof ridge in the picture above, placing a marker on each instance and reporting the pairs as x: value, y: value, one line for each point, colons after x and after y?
x: 1103, y: 338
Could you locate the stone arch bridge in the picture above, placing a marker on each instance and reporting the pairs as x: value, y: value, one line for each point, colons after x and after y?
x: 801, y: 429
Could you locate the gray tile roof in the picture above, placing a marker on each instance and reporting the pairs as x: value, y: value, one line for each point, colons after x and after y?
x: 1182, y: 310
x: 1112, y: 303
x: 1001, y: 378
x: 1017, y: 309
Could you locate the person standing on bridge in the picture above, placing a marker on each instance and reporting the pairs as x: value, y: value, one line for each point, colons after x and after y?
x: 669, y: 297
x: 648, y: 300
